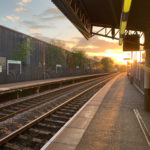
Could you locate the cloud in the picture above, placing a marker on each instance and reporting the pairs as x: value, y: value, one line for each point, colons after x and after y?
x: 50, y: 15
x: 44, y: 20
x: 13, y: 17
x: 34, y: 24
x: 45, y: 38
x: 23, y: 2
x: 35, y: 30
x: 4, y: 19
x: 35, y: 27
x: 96, y: 45
x: 51, y: 18
x: 93, y: 46
x: 38, y: 36
x: 21, y: 10
x: 51, y: 11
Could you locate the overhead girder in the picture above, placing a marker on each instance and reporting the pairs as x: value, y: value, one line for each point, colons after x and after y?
x: 113, y: 33
x: 77, y: 14
x: 85, y: 14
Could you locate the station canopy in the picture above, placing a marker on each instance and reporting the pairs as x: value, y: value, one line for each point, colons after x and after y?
x: 85, y: 14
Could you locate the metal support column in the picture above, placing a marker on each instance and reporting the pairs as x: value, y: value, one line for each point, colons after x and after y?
x: 147, y: 72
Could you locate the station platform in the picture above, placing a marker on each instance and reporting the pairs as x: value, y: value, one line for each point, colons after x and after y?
x: 113, y: 119
x: 22, y: 85
x: 10, y: 86
x: 18, y: 85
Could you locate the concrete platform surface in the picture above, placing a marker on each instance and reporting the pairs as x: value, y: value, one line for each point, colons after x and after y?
x: 18, y: 85
x: 107, y: 122
x: 10, y: 86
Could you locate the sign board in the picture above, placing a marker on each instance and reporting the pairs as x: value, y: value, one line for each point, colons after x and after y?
x: 131, y: 42
x: 58, y: 65
x: 14, y: 62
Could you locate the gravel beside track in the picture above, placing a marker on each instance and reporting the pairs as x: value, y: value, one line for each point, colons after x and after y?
x: 17, y: 107
x: 37, y: 134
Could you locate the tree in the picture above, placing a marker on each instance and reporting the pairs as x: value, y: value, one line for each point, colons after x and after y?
x: 78, y: 58
x: 107, y: 63
x: 23, y: 50
x: 55, y: 55
x: 58, y: 43
x: 96, y: 62
x: 96, y: 58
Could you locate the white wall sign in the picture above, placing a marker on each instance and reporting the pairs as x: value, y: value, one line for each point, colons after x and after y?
x: 58, y: 66
x: 13, y: 62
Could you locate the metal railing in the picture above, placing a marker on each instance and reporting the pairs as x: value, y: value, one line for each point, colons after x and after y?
x: 136, y: 75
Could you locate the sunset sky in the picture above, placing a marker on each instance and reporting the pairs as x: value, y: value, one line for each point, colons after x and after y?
x: 41, y: 19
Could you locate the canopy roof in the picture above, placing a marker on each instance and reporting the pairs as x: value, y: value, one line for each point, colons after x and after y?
x: 85, y: 14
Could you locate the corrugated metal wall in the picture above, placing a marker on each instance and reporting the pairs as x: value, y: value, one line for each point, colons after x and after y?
x: 32, y: 68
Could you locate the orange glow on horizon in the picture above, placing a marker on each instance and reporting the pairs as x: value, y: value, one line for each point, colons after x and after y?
x: 116, y: 55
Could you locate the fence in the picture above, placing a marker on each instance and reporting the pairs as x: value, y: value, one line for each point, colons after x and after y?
x: 30, y: 73
x: 138, y: 74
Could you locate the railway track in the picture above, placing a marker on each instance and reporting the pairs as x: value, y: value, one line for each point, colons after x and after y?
x: 17, y: 107
x: 37, y: 132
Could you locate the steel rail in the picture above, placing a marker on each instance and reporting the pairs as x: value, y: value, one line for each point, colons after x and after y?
x: 25, y: 127
x: 37, y: 85
x: 46, y: 100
